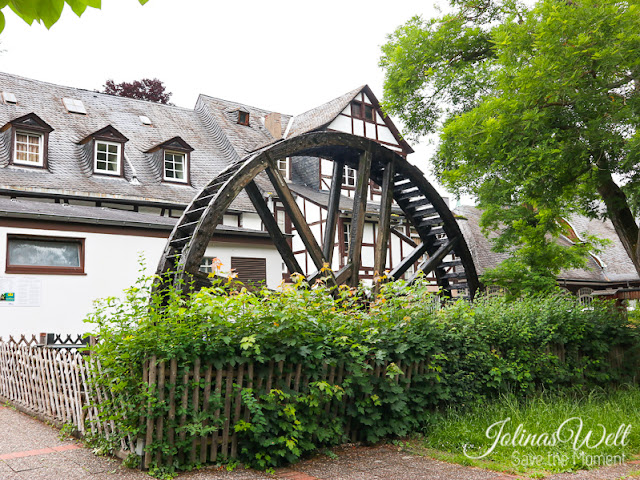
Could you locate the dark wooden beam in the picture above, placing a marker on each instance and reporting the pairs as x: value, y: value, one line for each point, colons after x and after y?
x: 402, y: 236
x: 333, y: 210
x: 270, y: 223
x: 343, y: 274
x: 359, y: 212
x: 384, y: 220
x: 297, y: 218
x: 434, y: 260
x: 407, y: 261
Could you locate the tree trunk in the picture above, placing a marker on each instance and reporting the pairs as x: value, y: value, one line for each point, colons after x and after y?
x: 620, y: 215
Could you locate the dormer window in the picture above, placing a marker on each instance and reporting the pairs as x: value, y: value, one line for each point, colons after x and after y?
x: 28, y: 149
x: 29, y: 140
x: 174, y: 158
x: 107, y: 158
x: 108, y: 151
x: 243, y: 117
x: 175, y: 167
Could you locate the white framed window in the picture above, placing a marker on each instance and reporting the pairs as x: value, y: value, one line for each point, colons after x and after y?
x: 346, y: 234
x: 283, y: 167
x: 206, y: 265
x: 348, y: 177
x: 175, y: 167
x: 107, y: 157
x: 281, y: 219
x: 28, y: 149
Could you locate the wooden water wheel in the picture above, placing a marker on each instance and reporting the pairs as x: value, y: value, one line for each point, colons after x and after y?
x: 442, y: 244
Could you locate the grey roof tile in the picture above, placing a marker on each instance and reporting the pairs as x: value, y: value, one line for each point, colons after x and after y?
x: 244, y: 138
x: 321, y: 116
x: 211, y: 129
x: 70, y: 166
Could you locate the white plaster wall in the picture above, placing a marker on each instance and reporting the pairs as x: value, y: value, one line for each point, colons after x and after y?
x: 385, y: 135
x: 251, y: 221
x: 224, y: 251
x: 111, y: 265
x: 358, y: 127
x: 341, y: 124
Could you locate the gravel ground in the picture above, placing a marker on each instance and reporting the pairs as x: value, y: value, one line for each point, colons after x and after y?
x: 32, y: 450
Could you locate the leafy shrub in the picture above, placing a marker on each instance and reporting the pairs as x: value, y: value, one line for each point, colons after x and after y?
x: 470, y: 352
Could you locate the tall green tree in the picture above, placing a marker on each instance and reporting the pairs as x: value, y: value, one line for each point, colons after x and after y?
x: 45, y: 11
x: 538, y: 110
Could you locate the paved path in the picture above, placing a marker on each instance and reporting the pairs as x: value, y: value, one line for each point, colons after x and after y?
x: 32, y: 450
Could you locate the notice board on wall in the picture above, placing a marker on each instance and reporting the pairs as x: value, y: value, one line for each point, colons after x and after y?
x: 20, y: 292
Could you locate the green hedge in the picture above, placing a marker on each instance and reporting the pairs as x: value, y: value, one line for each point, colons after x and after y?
x: 473, y: 352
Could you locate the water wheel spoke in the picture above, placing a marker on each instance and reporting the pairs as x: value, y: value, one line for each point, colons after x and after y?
x: 344, y: 273
x: 404, y: 238
x: 333, y: 210
x: 270, y: 223
x: 297, y: 218
x: 407, y: 261
x: 359, y: 213
x: 434, y: 260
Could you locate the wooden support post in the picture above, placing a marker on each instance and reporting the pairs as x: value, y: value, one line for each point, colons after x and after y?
x: 359, y: 212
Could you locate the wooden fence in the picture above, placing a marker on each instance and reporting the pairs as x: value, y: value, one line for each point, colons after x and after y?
x: 215, y: 394
x: 54, y: 385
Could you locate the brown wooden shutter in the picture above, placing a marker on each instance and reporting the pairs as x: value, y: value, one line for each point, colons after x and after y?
x: 250, y: 270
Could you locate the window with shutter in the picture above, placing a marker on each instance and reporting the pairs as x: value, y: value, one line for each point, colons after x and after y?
x: 250, y: 270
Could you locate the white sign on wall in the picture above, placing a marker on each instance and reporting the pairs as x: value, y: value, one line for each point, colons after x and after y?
x: 20, y: 292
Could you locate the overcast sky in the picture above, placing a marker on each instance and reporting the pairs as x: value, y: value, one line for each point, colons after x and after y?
x: 284, y: 56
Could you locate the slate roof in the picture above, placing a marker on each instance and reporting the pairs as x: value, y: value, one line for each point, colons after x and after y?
x: 617, y: 266
x: 28, y: 209
x: 66, y: 173
x: 211, y: 129
x: 321, y: 116
x: 244, y: 138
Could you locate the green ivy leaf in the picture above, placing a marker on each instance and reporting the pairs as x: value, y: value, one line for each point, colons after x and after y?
x: 78, y: 6
x: 49, y: 11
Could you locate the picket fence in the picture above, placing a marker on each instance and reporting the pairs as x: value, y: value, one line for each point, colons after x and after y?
x: 49, y: 378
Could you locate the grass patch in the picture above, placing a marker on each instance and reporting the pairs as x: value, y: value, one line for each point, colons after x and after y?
x: 526, y: 436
